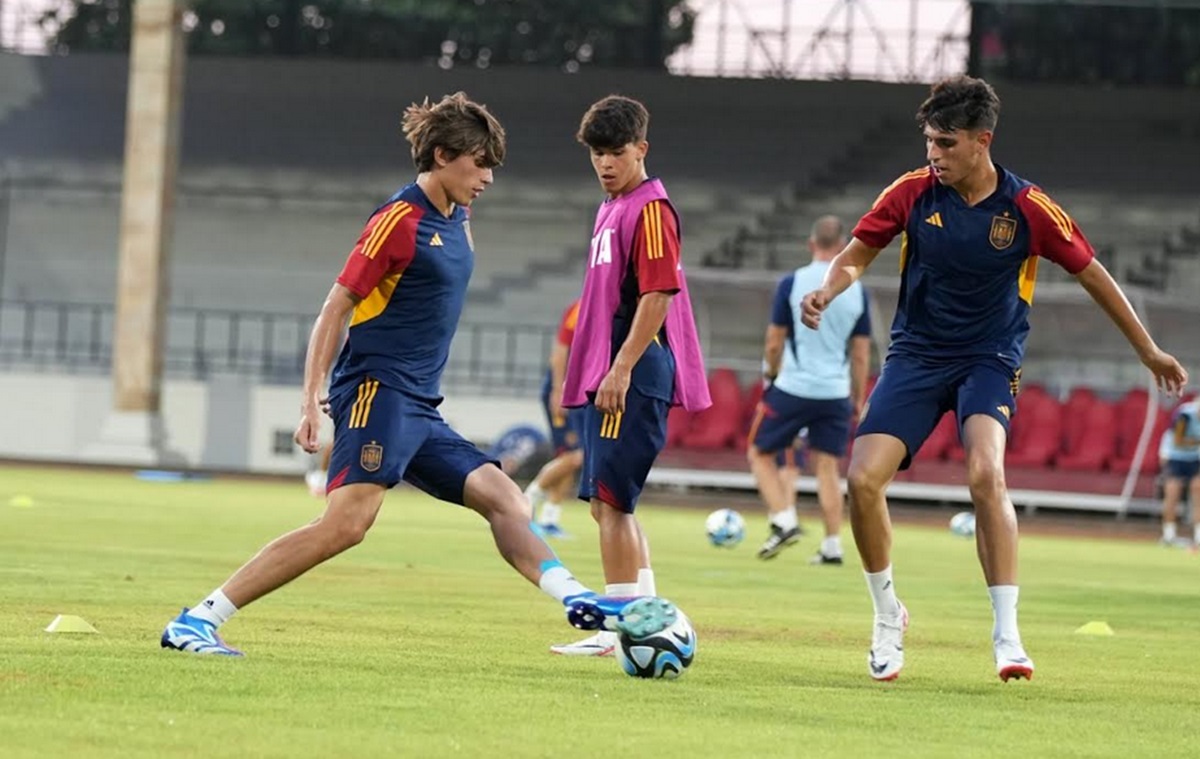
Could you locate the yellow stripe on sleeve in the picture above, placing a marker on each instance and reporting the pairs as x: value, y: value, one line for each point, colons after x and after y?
x: 1052, y: 209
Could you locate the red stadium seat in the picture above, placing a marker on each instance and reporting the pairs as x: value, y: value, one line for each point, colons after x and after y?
x: 1095, y: 439
x: 1075, y: 416
x: 941, y: 440
x: 719, y: 425
x: 678, y: 424
x: 1035, y: 434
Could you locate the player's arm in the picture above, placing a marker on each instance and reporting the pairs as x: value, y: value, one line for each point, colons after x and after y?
x: 655, y: 257
x: 860, y: 356
x: 1182, y: 439
x: 779, y: 329
x: 1055, y: 236
x: 328, y: 332
x: 880, y: 225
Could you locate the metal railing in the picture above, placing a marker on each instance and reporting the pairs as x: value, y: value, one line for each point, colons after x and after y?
x: 76, y: 338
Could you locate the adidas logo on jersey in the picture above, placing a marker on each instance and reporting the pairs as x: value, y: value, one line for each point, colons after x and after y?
x: 935, y: 219
x: 436, y: 240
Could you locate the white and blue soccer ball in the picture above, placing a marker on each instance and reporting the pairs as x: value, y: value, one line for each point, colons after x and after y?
x: 963, y: 524
x: 725, y: 528
x: 666, y: 654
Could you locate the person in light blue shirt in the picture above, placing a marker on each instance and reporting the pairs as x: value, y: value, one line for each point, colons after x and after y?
x: 1179, y: 454
x: 817, y: 381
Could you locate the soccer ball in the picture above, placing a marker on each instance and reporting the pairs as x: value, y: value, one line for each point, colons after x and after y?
x: 725, y: 528
x: 963, y: 524
x: 665, y: 654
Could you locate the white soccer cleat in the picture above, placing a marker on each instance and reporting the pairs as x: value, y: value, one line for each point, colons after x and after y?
x: 1012, y: 663
x: 886, y: 657
x: 603, y: 643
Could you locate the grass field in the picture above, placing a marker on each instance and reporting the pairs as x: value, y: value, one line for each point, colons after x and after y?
x: 422, y: 643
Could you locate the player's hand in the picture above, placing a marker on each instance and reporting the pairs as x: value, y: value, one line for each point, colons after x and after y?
x: 1169, y: 374
x: 812, y: 306
x: 310, y: 426
x: 610, y: 396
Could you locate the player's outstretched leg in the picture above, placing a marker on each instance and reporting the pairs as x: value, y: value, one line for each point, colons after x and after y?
x: 348, y: 515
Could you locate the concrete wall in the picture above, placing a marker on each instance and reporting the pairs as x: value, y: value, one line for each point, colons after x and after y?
x: 224, y: 424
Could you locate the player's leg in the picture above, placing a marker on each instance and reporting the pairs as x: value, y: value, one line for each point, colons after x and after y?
x: 1194, y: 502
x: 619, y: 450
x: 560, y: 441
x: 1172, y: 494
x: 985, y: 403
x: 905, y: 406
x: 557, y: 481
x: 775, y: 426
x: 373, y: 442
x: 828, y: 437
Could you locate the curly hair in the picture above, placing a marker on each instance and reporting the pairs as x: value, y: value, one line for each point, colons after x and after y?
x: 612, y: 122
x: 960, y: 102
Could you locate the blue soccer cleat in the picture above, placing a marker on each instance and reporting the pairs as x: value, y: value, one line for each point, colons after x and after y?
x: 637, y: 617
x: 195, y: 635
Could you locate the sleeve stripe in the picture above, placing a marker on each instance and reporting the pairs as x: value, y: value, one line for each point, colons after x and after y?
x: 1056, y: 214
x: 383, y: 230
x: 915, y: 174
x: 652, y: 228
x: 658, y: 229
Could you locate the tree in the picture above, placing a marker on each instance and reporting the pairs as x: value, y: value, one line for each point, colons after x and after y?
x: 564, y: 33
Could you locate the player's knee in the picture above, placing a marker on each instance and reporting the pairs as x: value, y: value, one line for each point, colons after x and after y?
x: 985, y: 478
x: 347, y: 530
x: 865, y: 484
x: 605, y: 513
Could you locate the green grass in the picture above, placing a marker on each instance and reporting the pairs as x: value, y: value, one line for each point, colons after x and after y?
x: 421, y: 642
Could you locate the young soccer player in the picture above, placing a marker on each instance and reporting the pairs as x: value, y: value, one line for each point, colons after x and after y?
x: 402, y: 291
x: 635, y: 352
x: 972, y: 233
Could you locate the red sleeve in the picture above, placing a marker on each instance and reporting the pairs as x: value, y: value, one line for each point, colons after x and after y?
x: 656, y: 249
x: 385, y: 247
x: 889, y: 212
x: 566, y: 327
x: 1053, y: 234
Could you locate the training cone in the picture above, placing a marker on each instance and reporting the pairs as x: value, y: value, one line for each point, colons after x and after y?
x: 69, y: 623
x: 21, y: 501
x: 1096, y: 628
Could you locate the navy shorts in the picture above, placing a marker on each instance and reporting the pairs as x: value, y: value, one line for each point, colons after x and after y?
x: 782, y: 415
x: 1181, y: 470
x: 619, y: 449
x: 383, y: 436
x: 566, y: 431
x: 911, y: 396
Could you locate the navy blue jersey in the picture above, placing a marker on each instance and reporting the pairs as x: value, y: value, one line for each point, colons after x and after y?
x: 410, y: 267
x: 967, y: 273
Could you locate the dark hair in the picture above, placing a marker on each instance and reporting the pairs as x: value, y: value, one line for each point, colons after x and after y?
x: 612, y: 122
x: 960, y: 102
x: 457, y: 125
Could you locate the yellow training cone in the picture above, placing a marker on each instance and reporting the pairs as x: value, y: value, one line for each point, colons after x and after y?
x: 21, y: 501
x: 69, y: 623
x: 1096, y: 628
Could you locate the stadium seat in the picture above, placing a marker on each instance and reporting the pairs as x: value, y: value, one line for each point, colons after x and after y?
x: 1131, y: 417
x: 941, y: 440
x: 679, y: 422
x: 1035, y: 434
x: 1075, y: 411
x: 1094, y: 435
x: 719, y: 425
x: 751, y: 397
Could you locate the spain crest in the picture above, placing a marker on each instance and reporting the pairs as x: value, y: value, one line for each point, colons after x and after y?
x: 1003, y: 232
x: 372, y: 457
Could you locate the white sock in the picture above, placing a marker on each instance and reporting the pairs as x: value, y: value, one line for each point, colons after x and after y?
x: 621, y: 589
x: 559, y: 583
x: 831, y: 546
x: 645, y: 583
x: 535, y: 494
x: 550, y: 513
x: 1168, y: 530
x: 786, y: 519
x: 1004, y: 607
x: 216, y: 609
x: 883, y: 592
